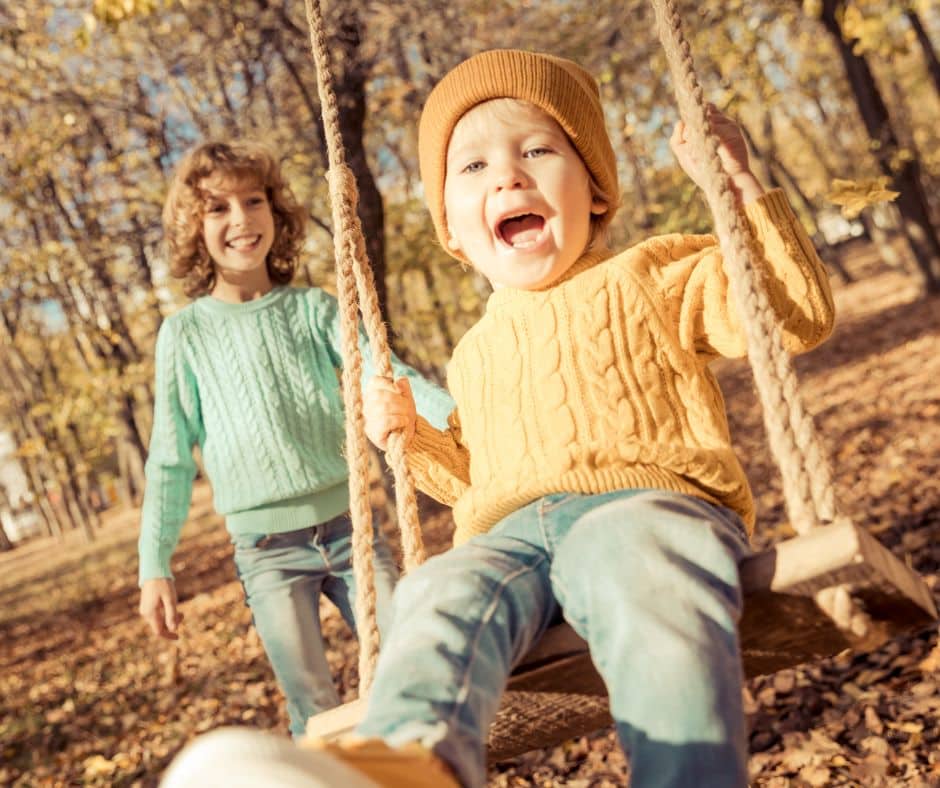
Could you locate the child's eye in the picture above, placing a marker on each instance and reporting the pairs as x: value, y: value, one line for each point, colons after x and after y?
x: 473, y: 166
x: 257, y: 200
x: 215, y: 208
x: 534, y: 153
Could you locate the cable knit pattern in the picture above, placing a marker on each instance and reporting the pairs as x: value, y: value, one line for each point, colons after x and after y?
x: 255, y: 386
x: 615, y: 381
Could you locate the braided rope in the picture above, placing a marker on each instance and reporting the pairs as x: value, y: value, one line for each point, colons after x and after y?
x: 807, y: 478
x: 354, y: 278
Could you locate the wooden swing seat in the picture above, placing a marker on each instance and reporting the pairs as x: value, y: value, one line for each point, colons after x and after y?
x: 555, y: 693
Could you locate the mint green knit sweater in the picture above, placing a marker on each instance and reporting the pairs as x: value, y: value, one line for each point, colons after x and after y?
x: 255, y: 386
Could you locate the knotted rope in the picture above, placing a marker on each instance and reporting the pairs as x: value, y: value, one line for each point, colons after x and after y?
x: 356, y: 289
x: 807, y: 477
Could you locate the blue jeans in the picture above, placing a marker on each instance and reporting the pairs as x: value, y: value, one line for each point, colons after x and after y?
x: 648, y: 578
x: 284, y: 575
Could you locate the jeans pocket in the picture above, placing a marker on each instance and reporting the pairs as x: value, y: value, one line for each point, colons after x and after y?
x: 243, y: 542
x: 548, y: 503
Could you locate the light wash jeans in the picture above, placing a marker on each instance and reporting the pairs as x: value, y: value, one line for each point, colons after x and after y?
x: 283, y: 576
x: 648, y: 578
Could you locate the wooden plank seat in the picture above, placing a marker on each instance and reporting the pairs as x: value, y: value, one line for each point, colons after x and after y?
x: 555, y: 693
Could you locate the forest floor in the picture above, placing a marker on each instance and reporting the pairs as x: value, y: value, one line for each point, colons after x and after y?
x: 87, y: 697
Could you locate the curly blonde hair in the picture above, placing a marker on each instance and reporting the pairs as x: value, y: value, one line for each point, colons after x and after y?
x: 186, y: 203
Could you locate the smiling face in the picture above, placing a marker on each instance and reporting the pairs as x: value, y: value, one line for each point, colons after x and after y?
x: 517, y: 196
x: 237, y: 224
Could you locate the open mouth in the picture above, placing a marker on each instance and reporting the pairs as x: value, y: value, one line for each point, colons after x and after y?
x: 522, y: 231
x: 243, y: 243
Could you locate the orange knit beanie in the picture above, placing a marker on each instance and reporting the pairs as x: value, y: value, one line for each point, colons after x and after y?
x: 557, y: 86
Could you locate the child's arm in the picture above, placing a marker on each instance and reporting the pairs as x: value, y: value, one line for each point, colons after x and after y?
x: 170, y: 471
x: 433, y: 402
x: 693, y: 278
x: 437, y: 458
x: 732, y: 150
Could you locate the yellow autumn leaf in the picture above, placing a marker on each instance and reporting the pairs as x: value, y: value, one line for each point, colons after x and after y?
x: 813, y: 8
x: 98, y: 766
x: 855, y: 196
x: 869, y: 33
x: 29, y: 448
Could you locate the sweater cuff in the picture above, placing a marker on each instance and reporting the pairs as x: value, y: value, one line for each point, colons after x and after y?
x: 152, y: 568
x: 772, y: 215
x: 770, y: 209
x: 433, y: 463
x: 425, y: 442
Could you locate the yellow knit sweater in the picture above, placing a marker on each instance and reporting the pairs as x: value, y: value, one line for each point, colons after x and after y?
x: 601, y: 381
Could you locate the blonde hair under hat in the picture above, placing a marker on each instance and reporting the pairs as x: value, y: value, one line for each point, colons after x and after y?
x: 559, y: 87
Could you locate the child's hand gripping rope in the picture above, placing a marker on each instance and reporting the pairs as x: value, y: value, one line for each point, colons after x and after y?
x: 388, y: 406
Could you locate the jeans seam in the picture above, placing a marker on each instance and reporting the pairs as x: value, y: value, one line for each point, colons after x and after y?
x: 487, y: 616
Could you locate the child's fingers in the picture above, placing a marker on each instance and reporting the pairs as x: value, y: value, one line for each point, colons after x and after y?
x: 380, y: 384
x: 379, y: 402
x: 380, y: 399
x: 404, y: 387
x: 158, y: 607
x: 394, y: 423
x: 171, y: 616
x: 379, y: 432
x: 404, y: 390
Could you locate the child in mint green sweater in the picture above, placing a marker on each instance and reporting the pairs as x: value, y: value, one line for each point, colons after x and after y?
x: 249, y: 373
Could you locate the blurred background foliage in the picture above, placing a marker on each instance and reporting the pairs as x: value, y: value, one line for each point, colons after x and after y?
x: 840, y: 101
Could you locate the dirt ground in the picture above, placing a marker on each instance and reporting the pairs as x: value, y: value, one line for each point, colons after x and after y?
x: 88, y: 698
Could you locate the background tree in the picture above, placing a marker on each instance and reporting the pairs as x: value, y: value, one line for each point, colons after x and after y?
x: 100, y: 98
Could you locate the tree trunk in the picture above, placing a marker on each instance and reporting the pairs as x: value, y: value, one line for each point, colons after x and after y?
x: 882, y: 242
x: 930, y: 54
x: 906, y: 177
x: 351, y: 95
x: 132, y: 446
x: 122, y: 483
x: 40, y: 499
x: 70, y: 499
x: 639, y: 199
x: 5, y: 543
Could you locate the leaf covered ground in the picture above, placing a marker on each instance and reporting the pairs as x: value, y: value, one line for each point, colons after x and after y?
x: 88, y: 698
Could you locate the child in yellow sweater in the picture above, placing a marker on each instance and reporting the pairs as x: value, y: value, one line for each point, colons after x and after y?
x: 588, y: 461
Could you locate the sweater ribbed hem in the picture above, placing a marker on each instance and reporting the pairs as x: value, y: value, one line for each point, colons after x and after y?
x: 292, y: 514
x: 585, y: 482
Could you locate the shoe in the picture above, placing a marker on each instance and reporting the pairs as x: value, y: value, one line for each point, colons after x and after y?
x: 246, y: 758
x: 411, y: 766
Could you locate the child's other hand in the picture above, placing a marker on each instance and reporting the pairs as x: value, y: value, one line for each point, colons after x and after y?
x: 158, y: 607
x: 389, y: 407
x: 732, y: 149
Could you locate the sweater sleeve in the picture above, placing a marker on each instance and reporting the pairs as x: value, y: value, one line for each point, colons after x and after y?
x: 170, y: 467
x: 432, y: 401
x: 702, y: 304
x: 439, y: 461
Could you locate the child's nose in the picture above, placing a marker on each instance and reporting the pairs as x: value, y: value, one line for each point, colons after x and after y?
x: 239, y: 213
x: 509, y: 176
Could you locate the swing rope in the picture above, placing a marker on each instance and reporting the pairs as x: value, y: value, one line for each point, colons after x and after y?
x: 807, y: 477
x: 808, y: 490
x: 355, y: 288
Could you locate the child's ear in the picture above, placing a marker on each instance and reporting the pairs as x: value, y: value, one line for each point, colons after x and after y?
x: 598, y: 206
